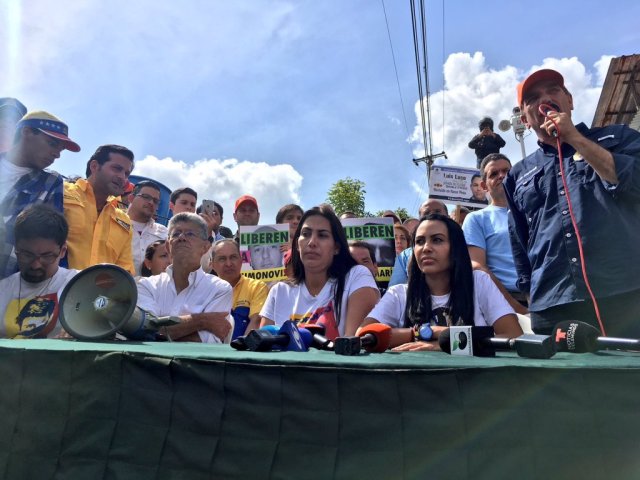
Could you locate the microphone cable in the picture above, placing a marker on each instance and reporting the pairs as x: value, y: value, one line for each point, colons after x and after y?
x: 545, y: 109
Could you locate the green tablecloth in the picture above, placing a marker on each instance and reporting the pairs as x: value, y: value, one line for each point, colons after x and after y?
x: 186, y: 411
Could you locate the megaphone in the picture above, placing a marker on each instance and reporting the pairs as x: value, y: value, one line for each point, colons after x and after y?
x: 100, y: 301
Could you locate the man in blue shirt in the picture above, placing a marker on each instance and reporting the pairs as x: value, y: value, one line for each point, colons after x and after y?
x: 486, y: 232
x: 600, y: 190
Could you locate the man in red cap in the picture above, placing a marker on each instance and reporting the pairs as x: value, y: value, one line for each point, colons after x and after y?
x: 583, y: 217
x: 39, y: 139
x: 245, y: 213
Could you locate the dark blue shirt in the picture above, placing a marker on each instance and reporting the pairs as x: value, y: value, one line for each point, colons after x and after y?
x: 543, y: 240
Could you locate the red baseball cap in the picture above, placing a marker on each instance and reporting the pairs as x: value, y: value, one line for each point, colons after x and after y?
x: 536, y: 77
x: 245, y: 198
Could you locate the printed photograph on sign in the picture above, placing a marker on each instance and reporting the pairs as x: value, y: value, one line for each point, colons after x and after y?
x: 458, y: 185
x: 262, y: 248
x: 378, y: 234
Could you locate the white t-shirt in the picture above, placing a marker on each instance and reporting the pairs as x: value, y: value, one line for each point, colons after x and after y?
x: 294, y: 302
x: 10, y: 173
x: 205, y: 294
x: 488, y: 303
x: 30, y: 310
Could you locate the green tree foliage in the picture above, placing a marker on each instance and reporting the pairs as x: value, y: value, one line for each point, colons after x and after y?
x: 401, y: 212
x: 347, y: 195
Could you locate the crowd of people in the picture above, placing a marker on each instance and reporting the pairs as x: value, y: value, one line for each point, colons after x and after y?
x: 557, y: 240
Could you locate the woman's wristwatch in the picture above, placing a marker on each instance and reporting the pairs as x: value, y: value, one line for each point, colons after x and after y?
x: 422, y: 332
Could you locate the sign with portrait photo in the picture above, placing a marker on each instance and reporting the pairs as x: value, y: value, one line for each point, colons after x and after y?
x: 262, y: 248
x: 458, y: 185
x: 378, y: 233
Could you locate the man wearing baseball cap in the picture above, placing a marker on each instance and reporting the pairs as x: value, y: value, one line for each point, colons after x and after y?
x: 599, y: 193
x: 245, y: 213
x: 39, y: 139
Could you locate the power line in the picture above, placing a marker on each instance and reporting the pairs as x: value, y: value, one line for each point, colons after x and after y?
x: 395, y: 68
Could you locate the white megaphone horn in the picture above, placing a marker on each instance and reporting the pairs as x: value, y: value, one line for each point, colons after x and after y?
x: 100, y: 301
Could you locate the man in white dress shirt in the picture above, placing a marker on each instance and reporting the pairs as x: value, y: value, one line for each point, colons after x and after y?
x: 202, y: 301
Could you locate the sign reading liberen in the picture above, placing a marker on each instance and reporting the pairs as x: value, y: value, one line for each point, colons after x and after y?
x: 262, y: 248
x: 378, y: 233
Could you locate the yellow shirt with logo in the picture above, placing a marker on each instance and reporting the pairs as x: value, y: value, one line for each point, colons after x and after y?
x: 96, y: 238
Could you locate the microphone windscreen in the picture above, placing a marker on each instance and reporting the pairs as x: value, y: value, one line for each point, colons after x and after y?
x: 307, y: 336
x: 313, y: 327
x: 382, y: 333
x: 576, y: 337
x: 444, y: 340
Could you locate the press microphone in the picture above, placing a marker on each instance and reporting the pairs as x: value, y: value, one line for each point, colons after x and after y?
x: 375, y: 337
x: 239, y: 343
x: 288, y: 338
x: 580, y: 337
x: 318, y: 340
x: 482, y: 342
x: 545, y: 109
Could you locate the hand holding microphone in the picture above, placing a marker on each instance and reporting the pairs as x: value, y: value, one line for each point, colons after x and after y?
x: 547, y: 109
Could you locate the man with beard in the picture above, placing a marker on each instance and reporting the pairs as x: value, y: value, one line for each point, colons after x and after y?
x: 29, y: 297
x: 99, y: 232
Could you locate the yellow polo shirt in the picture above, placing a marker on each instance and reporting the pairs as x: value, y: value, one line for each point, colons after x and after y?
x: 93, y: 238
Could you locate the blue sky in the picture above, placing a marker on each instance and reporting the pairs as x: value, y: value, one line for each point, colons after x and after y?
x: 280, y: 99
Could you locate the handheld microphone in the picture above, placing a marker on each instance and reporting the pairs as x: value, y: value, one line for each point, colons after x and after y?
x: 375, y: 337
x: 318, y: 340
x: 483, y: 343
x: 545, y: 109
x: 288, y: 338
x: 239, y: 343
x: 580, y: 337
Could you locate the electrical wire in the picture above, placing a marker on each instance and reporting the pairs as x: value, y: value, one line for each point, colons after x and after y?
x: 419, y: 76
x: 395, y: 68
x: 545, y: 110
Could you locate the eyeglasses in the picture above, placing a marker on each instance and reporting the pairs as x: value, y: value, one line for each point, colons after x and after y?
x: 188, y: 234
x: 45, y: 258
x: 148, y: 198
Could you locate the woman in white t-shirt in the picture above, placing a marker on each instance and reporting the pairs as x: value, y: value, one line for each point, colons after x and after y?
x: 442, y: 291
x: 327, y: 286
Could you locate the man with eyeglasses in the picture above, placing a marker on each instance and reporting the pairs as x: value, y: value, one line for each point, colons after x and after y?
x: 29, y: 298
x: 201, y: 300
x: 24, y: 179
x: 143, y: 203
x: 99, y: 231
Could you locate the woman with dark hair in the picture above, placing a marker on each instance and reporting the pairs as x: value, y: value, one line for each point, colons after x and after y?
x: 326, y: 286
x: 442, y: 291
x: 156, y: 259
x: 291, y: 214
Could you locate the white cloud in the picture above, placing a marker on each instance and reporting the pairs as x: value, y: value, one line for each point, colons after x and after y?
x: 473, y: 90
x: 224, y: 180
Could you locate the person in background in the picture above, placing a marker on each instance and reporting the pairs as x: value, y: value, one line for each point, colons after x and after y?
x: 249, y: 295
x: 442, y: 291
x: 143, y: 204
x: 291, y: 214
x: 183, y: 199
x: 402, y: 238
x: 156, y: 259
x: 487, y: 141
x: 327, y: 286
x: 401, y: 264
x: 11, y: 111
